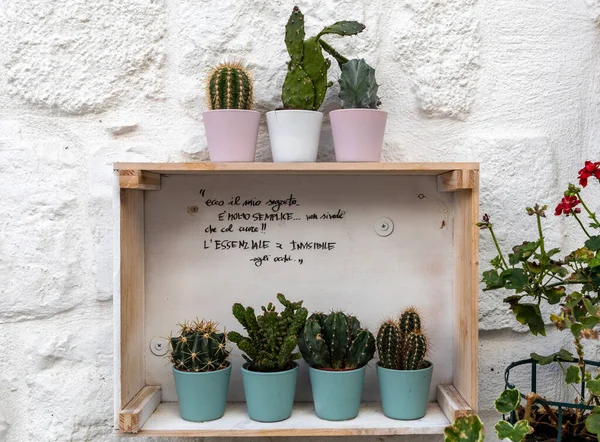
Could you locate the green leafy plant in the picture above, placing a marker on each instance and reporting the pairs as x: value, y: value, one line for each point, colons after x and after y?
x: 401, y: 344
x: 536, y: 275
x: 199, y: 347
x: 336, y: 341
x: 306, y: 82
x: 230, y: 86
x: 272, y: 336
x: 358, y: 87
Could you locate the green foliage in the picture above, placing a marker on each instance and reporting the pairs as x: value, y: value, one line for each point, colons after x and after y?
x: 561, y: 355
x: 592, y: 422
x: 465, y: 429
x: 230, y: 86
x: 401, y: 344
x: 508, y: 401
x: 336, y: 341
x: 358, y: 87
x: 515, y: 433
x: 272, y: 336
x: 306, y: 82
x: 199, y: 347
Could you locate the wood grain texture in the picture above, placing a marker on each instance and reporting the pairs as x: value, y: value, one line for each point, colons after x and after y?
x: 132, y: 294
x: 452, y: 403
x: 466, y: 237
x: 141, y: 407
x: 298, y: 168
x: 456, y: 180
x: 371, y: 421
x: 139, y: 179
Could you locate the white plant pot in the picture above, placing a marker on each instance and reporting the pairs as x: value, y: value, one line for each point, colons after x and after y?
x: 294, y: 135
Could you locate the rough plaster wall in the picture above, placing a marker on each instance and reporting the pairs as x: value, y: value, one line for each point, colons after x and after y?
x: 512, y: 84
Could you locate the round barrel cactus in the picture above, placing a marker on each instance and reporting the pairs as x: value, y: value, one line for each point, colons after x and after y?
x: 230, y: 86
x: 199, y: 347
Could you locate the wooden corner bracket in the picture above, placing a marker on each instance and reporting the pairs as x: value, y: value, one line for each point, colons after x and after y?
x: 139, y: 409
x: 456, y: 180
x: 139, y: 179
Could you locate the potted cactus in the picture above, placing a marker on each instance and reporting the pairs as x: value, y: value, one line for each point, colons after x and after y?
x: 295, y: 131
x: 337, y: 350
x: 358, y: 128
x: 231, y: 126
x: 201, y: 370
x: 404, y: 374
x: 270, y: 373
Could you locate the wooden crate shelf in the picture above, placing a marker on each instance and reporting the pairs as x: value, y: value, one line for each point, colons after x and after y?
x: 144, y: 403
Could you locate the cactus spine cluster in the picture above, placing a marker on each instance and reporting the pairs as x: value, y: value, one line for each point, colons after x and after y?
x: 306, y: 82
x: 401, y: 344
x: 336, y: 341
x: 272, y: 336
x: 358, y: 87
x: 229, y: 86
x: 199, y: 347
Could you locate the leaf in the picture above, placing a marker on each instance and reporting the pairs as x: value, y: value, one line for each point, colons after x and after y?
x: 592, y: 422
x: 508, y: 401
x: 358, y: 87
x: 555, y: 294
x: 465, y: 429
x: 529, y: 314
x: 515, y: 279
x: 593, y: 386
x: 573, y: 375
x: 524, y: 251
x: 591, y: 308
x: 515, y: 433
x: 492, y: 280
x: 576, y: 329
x: 573, y: 299
x: 590, y: 321
x: 496, y: 262
x: 593, y: 243
x: 562, y: 354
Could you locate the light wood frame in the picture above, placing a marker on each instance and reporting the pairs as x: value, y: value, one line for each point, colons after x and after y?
x: 135, y: 401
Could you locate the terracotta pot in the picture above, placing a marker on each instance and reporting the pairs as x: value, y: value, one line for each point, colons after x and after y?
x: 231, y: 134
x: 358, y: 134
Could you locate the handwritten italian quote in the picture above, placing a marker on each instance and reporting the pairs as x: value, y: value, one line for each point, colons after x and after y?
x: 252, y: 216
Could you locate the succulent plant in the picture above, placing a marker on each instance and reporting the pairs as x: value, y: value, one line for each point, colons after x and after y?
x: 358, y: 87
x: 401, y: 344
x: 306, y: 82
x: 199, y: 347
x: 230, y: 86
x: 272, y: 336
x: 336, y: 341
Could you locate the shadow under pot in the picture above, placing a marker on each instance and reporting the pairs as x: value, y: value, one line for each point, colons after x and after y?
x: 194, y: 387
x: 294, y: 135
x: 358, y: 134
x: 270, y: 395
x: 404, y: 393
x: 337, y: 394
x: 231, y: 134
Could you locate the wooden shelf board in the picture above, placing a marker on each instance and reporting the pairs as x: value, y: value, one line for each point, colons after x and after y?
x: 298, y: 168
x: 165, y: 421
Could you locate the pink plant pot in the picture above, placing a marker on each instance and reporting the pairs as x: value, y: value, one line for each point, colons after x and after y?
x: 358, y: 134
x: 231, y: 134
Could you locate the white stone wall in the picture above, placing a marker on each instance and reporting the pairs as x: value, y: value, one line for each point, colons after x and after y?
x: 513, y: 84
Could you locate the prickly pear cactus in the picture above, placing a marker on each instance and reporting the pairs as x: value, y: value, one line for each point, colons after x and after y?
x: 230, y: 86
x: 306, y: 82
x: 199, y: 347
x: 272, y: 336
x: 401, y: 344
x: 358, y: 87
x: 336, y: 341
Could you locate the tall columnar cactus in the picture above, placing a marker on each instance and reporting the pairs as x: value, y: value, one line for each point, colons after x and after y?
x: 230, y: 86
x: 199, y: 347
x: 358, y: 87
x: 272, y: 336
x: 401, y: 344
x: 335, y: 341
x: 306, y: 82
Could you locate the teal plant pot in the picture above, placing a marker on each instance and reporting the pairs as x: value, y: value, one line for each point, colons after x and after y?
x: 202, y: 395
x: 270, y: 396
x: 337, y: 394
x: 404, y: 393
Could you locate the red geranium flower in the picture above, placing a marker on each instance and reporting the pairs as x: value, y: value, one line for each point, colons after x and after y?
x: 567, y: 206
x: 590, y: 169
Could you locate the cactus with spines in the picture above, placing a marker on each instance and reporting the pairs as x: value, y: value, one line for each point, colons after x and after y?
x: 401, y: 344
x: 230, y: 86
x: 272, y: 336
x: 306, y: 82
x: 336, y: 341
x: 358, y: 87
x: 200, y: 347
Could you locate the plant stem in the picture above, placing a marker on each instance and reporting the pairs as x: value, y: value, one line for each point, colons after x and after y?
x: 498, y: 247
x: 590, y: 213
x: 541, y: 233
x: 581, y: 224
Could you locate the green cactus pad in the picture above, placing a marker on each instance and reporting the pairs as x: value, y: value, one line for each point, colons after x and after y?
x: 358, y: 87
x: 343, y: 28
x: 294, y: 35
x: 316, y: 68
x: 298, y: 91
